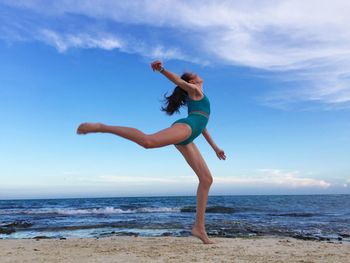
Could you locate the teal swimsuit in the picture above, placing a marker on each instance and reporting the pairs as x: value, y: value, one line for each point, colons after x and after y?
x: 198, y: 116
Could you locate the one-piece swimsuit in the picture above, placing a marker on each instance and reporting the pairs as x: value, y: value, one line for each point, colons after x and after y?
x: 197, y: 119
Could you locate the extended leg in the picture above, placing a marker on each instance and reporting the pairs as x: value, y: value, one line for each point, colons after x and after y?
x: 194, y: 158
x: 172, y: 135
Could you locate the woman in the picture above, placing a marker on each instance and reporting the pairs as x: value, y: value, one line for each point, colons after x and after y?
x: 182, y: 132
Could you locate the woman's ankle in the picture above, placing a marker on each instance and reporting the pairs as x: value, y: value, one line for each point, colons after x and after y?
x: 199, y: 227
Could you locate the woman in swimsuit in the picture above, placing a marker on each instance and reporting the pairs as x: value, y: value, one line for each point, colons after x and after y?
x: 181, y: 134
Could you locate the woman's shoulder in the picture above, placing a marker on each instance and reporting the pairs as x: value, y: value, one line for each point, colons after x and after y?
x: 199, y: 95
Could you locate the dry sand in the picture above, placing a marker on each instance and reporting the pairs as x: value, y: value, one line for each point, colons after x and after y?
x: 172, y: 249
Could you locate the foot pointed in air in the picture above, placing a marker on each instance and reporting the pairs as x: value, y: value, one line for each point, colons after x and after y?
x: 88, y: 127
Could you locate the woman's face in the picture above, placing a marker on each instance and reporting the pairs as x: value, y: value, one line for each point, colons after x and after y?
x: 196, y: 79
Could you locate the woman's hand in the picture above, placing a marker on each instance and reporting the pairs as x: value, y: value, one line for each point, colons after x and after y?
x: 156, y: 65
x: 220, y: 154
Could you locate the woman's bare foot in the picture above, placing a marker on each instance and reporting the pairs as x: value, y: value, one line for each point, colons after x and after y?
x: 88, y: 127
x: 202, y: 235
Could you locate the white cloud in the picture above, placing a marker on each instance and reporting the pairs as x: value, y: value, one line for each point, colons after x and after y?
x: 306, y: 42
x: 347, y: 183
x: 265, y: 177
x: 62, y: 43
x: 290, y: 179
x: 273, y: 178
x: 144, y: 179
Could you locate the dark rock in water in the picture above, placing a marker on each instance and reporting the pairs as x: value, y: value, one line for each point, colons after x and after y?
x: 306, y: 237
x: 220, y: 209
x: 9, y: 228
x: 7, y: 231
x: 222, y: 233
x: 19, y: 224
x: 295, y: 214
x: 63, y: 238
x: 185, y: 233
x: 166, y: 234
x: 188, y: 209
x: 234, y: 228
x: 125, y: 233
x: 210, y: 209
x: 344, y: 235
x: 231, y: 228
x: 121, y: 233
x: 42, y: 237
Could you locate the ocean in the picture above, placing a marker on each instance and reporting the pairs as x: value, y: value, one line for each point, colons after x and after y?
x: 311, y: 217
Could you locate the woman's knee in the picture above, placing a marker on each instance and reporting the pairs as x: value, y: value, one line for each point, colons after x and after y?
x: 147, y: 142
x: 206, y: 180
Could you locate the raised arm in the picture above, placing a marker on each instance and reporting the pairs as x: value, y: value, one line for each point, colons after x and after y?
x: 189, y: 87
x: 220, y: 153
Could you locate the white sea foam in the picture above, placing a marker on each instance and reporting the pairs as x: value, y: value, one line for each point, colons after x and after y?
x: 102, y: 210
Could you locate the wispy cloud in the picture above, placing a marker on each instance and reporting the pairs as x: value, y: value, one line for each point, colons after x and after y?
x: 306, y: 43
x: 291, y: 179
x: 143, y: 179
x: 264, y: 177
x: 62, y: 43
x: 273, y: 178
x: 347, y: 183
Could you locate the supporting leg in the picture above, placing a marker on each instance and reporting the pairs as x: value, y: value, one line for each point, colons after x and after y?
x: 197, y: 163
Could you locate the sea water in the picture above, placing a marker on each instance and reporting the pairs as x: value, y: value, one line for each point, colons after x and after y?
x: 318, y: 217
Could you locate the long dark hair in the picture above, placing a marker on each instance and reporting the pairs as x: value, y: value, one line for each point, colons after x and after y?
x: 178, y: 98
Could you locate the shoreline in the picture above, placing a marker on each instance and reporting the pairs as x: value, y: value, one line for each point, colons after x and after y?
x: 172, y: 249
x: 114, y: 234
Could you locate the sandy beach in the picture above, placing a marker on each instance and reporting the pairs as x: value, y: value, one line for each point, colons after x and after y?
x: 172, y: 249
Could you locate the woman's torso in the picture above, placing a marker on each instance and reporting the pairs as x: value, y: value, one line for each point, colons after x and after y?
x: 201, y: 106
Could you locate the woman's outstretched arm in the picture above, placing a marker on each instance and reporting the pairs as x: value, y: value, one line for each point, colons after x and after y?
x: 189, y: 87
x: 220, y: 153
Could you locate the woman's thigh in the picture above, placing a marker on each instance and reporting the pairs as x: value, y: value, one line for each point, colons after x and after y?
x: 195, y: 159
x: 172, y: 135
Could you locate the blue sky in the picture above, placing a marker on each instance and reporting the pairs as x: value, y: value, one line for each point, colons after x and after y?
x: 277, y: 78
